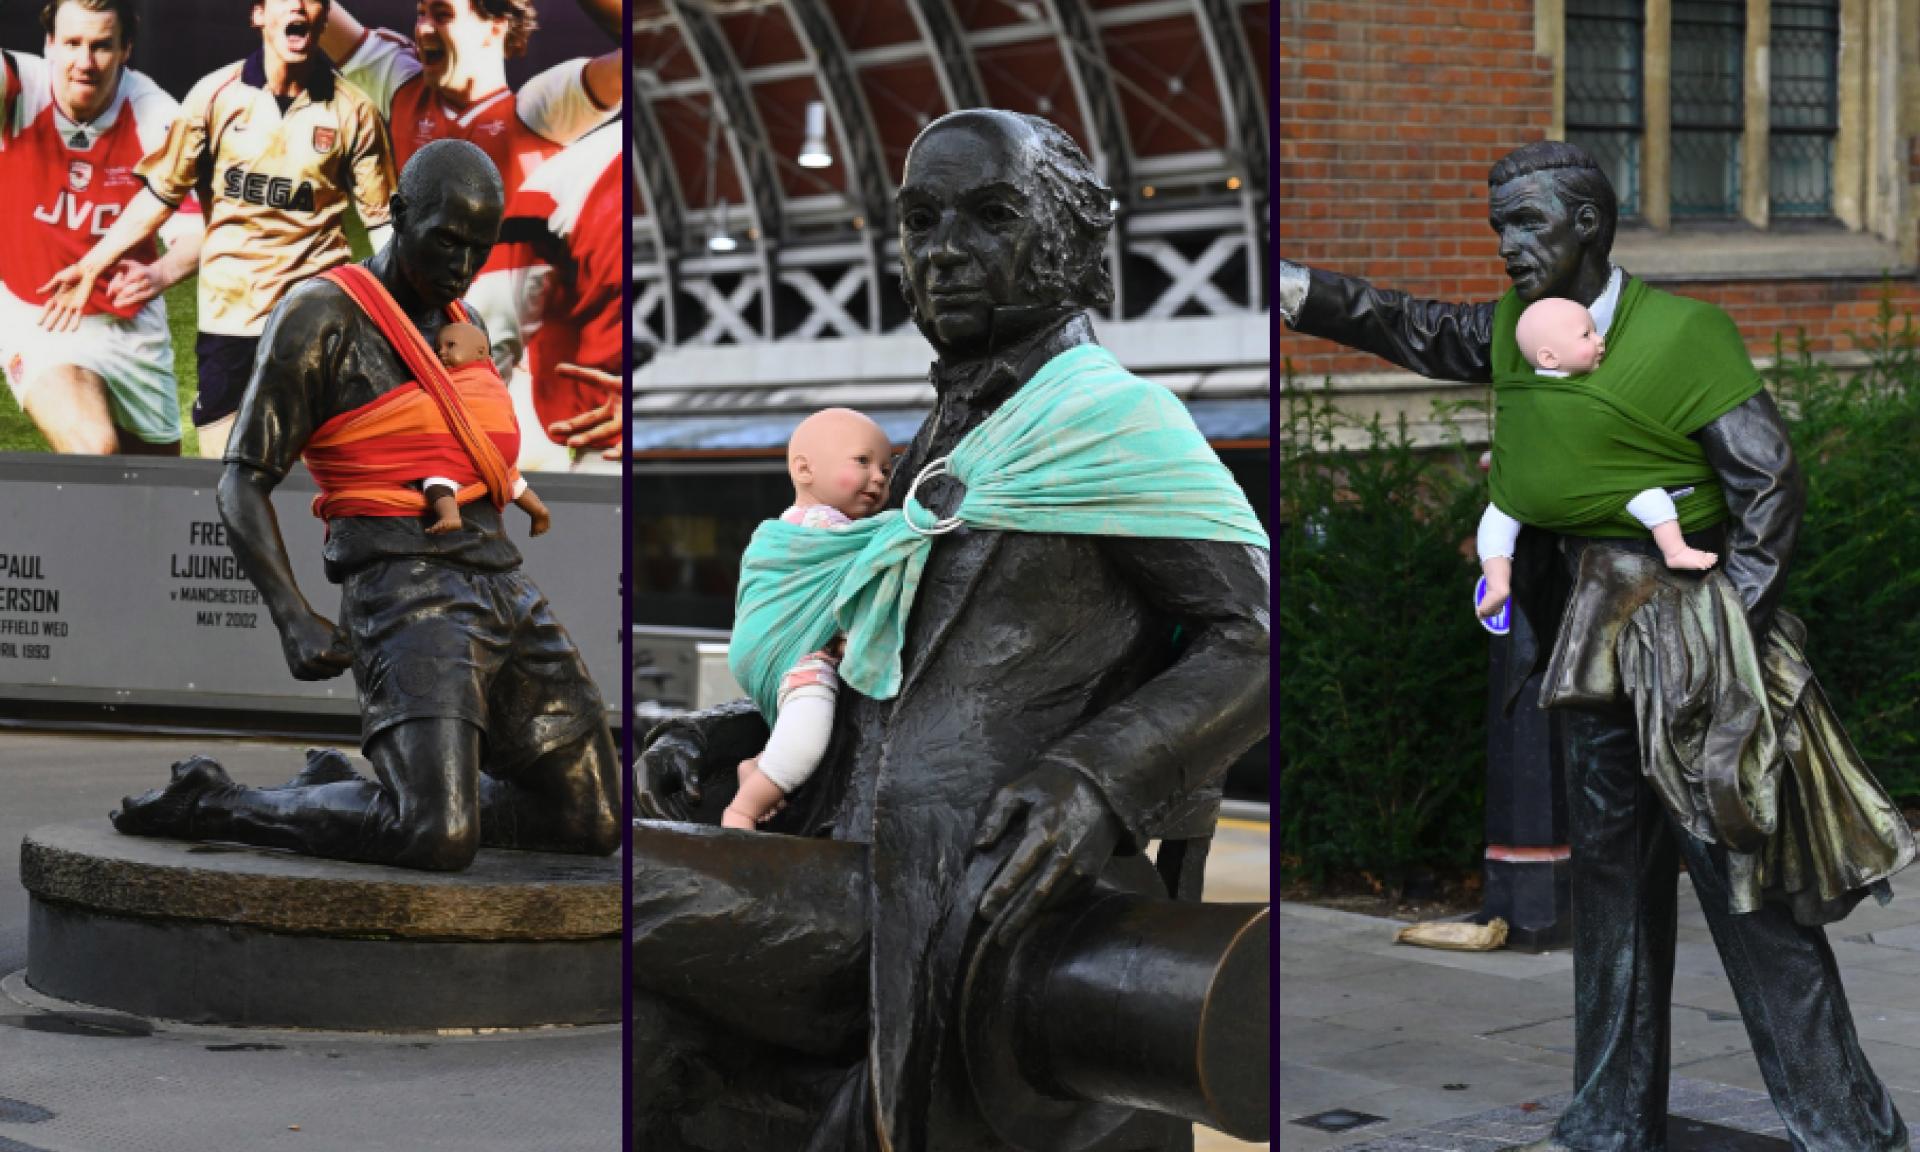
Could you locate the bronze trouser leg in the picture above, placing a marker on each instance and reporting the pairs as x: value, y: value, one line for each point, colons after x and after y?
x: 424, y: 812
x: 567, y: 800
x: 1783, y: 974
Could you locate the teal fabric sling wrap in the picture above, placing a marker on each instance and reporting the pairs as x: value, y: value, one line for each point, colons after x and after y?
x: 1085, y: 448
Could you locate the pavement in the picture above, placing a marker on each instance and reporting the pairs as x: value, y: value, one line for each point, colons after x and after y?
x: 72, y: 1081
x: 1465, y: 1052
x: 78, y: 1081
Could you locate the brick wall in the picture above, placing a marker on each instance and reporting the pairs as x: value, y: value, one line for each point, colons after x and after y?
x: 1830, y: 311
x: 1392, y: 112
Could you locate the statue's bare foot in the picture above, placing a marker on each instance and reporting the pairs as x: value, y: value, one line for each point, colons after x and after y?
x: 169, y: 811
x: 324, y: 766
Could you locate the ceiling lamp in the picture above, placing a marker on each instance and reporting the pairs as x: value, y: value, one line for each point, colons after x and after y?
x: 813, y: 153
x: 718, y: 238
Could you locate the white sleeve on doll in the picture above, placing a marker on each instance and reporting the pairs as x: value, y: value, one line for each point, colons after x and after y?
x: 439, y: 482
x: 799, y: 737
x: 519, y: 487
x: 1498, y: 534
x: 1653, y: 508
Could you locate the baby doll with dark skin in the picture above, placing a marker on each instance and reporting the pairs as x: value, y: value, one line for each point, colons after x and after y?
x: 458, y: 345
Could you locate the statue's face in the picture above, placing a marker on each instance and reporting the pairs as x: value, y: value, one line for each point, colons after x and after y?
x: 1542, y: 240
x: 968, y: 214
x: 441, y: 246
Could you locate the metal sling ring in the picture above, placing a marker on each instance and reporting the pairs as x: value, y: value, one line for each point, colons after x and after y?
x: 940, y: 527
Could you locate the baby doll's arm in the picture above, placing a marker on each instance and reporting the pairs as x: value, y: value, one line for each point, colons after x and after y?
x: 531, y: 504
x: 1498, y: 534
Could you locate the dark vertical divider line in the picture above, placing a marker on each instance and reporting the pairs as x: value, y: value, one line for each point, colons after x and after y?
x: 1273, y: 517
x: 632, y: 738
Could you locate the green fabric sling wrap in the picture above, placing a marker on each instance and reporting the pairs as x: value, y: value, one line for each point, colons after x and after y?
x: 1569, y: 453
x: 1084, y: 448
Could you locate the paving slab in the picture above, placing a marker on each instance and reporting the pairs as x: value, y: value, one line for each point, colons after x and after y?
x: 1459, y: 1031
x: 127, y: 1084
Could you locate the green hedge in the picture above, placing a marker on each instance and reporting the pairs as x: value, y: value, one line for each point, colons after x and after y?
x: 1856, y: 573
x: 1383, y: 671
x: 1382, y: 666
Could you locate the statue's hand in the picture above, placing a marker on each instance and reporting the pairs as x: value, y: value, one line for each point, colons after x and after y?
x: 669, y: 778
x: 1066, y: 834
x: 1291, y: 289
x: 316, y: 649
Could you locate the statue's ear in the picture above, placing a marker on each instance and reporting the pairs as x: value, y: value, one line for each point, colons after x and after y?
x: 1586, y: 222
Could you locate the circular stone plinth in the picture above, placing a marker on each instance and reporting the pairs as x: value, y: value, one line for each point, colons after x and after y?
x: 221, y: 934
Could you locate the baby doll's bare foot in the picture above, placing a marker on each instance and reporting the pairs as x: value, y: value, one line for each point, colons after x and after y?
x: 1691, y: 559
x: 443, y: 526
x: 734, y: 818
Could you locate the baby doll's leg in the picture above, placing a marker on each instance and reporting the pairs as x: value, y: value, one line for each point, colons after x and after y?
x: 1498, y: 535
x: 1654, y: 509
x: 445, y: 507
x: 1673, y: 546
x: 757, y: 798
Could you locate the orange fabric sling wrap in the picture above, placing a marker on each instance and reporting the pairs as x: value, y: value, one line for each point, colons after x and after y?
x: 458, y: 424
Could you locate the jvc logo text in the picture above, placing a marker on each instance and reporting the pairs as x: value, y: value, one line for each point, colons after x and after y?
x: 78, y: 215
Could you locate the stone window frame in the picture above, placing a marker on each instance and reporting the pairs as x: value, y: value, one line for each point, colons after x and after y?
x: 1879, y: 108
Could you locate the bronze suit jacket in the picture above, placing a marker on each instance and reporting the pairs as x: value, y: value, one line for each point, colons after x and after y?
x: 1143, y: 664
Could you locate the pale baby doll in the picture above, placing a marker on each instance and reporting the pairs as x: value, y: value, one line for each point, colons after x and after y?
x: 459, y: 345
x: 839, y: 462
x: 1557, y: 337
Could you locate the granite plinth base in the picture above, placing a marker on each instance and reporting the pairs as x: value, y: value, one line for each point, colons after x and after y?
x: 219, y: 934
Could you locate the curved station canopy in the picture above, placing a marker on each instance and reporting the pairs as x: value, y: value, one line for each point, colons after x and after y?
x: 769, y: 139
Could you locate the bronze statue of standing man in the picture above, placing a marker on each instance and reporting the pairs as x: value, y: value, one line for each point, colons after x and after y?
x: 1553, y: 212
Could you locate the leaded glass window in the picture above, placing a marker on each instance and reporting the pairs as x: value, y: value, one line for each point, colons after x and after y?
x: 1709, y: 42
x: 1604, y: 86
x: 1803, y: 112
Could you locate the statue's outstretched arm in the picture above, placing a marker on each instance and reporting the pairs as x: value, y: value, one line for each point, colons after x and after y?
x: 1438, y: 340
x: 1749, y: 449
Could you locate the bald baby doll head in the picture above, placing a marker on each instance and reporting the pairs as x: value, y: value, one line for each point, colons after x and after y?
x: 460, y: 344
x: 1557, y: 334
x: 840, y: 458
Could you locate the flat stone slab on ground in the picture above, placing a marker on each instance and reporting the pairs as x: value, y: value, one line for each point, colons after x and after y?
x: 1702, y: 1117
x: 527, y: 896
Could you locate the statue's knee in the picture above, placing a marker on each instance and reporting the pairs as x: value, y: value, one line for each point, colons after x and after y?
x: 444, y: 843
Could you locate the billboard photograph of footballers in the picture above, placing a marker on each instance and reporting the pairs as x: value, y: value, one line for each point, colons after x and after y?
x: 308, y: 741
x: 148, y: 240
